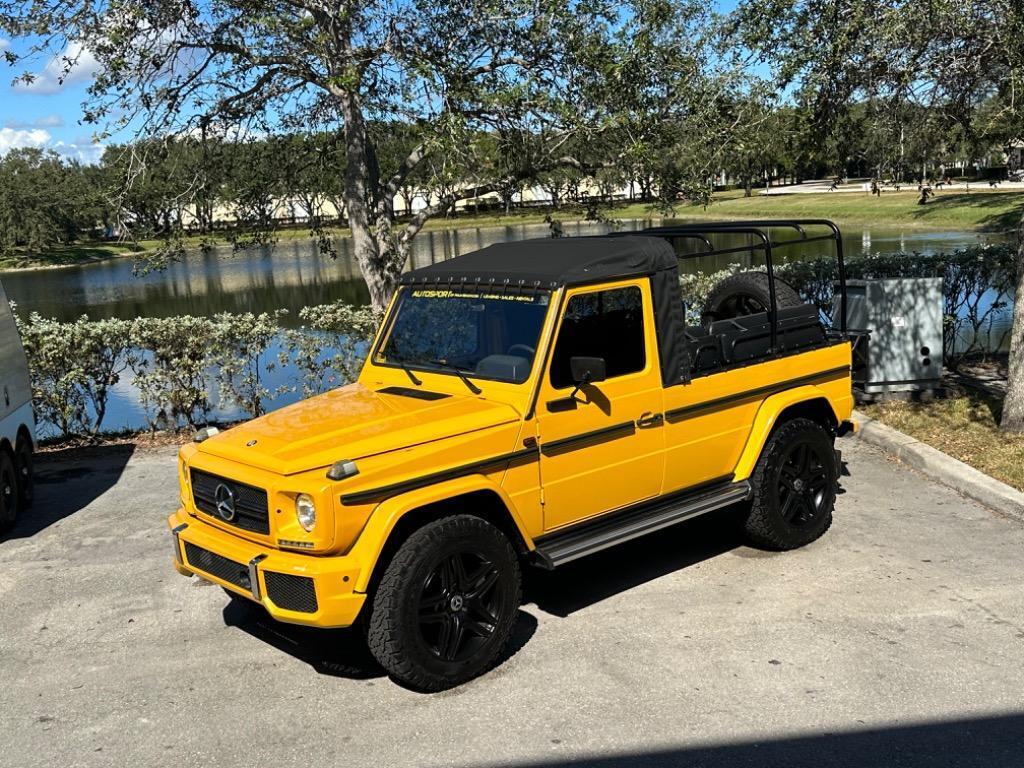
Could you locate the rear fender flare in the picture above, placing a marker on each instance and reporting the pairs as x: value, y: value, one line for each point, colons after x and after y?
x: 378, y: 529
x: 767, y: 417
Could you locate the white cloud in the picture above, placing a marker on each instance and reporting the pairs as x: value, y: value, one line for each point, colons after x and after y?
x: 11, y: 138
x: 75, y: 64
x: 46, y: 121
x: 83, y: 150
x: 4, y: 44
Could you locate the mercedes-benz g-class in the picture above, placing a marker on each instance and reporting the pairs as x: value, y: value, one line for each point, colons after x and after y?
x: 526, y: 404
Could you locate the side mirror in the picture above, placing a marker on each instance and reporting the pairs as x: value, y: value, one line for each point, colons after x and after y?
x: 587, y: 370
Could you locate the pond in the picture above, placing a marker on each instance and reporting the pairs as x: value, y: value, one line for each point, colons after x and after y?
x: 293, y: 274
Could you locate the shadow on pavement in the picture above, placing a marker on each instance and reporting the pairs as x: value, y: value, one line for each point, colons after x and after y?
x: 592, y: 579
x: 337, y: 652
x: 984, y: 742
x: 577, y: 585
x: 67, y: 481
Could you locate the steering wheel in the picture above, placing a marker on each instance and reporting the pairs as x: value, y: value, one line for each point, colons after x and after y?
x: 530, y: 351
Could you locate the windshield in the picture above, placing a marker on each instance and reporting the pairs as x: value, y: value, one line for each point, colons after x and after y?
x: 488, y: 336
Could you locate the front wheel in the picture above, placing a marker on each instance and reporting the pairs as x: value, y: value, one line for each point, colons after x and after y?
x: 9, y: 501
x: 444, y: 610
x: 794, y: 485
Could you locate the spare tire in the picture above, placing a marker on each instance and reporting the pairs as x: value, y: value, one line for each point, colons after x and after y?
x: 746, y: 293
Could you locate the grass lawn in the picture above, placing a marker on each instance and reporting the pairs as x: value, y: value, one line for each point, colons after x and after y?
x: 84, y: 253
x: 982, y: 209
x: 990, y: 210
x: 966, y: 426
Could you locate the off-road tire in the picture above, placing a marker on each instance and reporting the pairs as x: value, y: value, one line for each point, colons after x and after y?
x: 746, y: 293
x: 766, y: 526
x: 9, y: 502
x: 23, y: 466
x: 396, y: 635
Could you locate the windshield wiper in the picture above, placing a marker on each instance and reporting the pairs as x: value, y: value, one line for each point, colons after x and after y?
x: 405, y: 367
x: 460, y: 373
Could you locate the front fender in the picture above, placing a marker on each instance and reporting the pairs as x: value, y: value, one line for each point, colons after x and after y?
x: 388, y: 513
x: 767, y: 416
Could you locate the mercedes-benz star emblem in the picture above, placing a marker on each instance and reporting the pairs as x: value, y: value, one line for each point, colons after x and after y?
x: 225, y: 498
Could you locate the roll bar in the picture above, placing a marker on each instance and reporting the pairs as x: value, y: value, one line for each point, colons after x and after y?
x: 759, y: 228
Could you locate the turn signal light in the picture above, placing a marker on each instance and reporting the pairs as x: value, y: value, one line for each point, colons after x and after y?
x: 342, y: 469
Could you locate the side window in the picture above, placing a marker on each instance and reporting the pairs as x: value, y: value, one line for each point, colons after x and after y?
x: 607, y: 324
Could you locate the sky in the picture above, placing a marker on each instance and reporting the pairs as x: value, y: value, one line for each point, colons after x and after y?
x: 47, y: 113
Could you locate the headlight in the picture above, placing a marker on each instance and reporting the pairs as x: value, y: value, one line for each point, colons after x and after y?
x: 305, y: 511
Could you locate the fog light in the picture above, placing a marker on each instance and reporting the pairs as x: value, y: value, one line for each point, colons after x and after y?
x: 305, y: 511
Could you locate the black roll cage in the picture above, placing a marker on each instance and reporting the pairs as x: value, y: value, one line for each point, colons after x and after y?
x: 759, y: 228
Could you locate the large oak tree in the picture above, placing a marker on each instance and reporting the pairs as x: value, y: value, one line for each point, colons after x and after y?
x: 538, y: 77
x: 962, y: 60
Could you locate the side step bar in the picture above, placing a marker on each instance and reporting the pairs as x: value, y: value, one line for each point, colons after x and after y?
x: 606, y: 531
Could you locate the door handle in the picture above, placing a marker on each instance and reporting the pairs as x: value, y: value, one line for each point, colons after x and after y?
x: 649, y: 419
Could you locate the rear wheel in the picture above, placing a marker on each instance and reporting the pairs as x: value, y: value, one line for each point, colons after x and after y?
x: 8, y: 491
x: 444, y: 610
x: 23, y: 467
x: 794, y: 486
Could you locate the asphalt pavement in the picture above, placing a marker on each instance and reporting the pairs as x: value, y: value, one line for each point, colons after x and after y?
x: 895, y: 640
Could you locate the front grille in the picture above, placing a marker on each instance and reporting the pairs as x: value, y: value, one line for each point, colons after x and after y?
x: 251, y: 509
x: 293, y: 593
x: 217, y: 565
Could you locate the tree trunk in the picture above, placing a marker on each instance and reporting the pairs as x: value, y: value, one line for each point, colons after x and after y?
x: 377, y: 264
x: 1013, y: 405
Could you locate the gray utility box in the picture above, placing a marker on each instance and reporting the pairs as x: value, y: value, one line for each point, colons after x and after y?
x: 904, y: 317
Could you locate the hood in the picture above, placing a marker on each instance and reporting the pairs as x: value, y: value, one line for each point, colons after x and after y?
x: 352, y: 422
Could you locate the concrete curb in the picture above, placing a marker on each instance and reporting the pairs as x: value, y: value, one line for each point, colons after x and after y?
x: 965, y: 479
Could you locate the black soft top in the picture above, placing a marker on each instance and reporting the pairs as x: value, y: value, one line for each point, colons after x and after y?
x: 551, y: 262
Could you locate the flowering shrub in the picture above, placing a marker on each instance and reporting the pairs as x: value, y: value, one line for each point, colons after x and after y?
x: 181, y: 365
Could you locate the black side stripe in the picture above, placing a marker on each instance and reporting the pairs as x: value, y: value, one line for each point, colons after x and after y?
x: 386, y: 491
x: 565, y: 444
x: 750, y: 394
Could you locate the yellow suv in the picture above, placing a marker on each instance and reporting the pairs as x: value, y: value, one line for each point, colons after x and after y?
x: 529, y: 403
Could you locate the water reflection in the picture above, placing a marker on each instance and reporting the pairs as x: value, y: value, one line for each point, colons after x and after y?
x: 293, y: 274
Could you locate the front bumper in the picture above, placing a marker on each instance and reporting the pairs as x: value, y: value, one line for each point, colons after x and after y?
x: 327, y: 599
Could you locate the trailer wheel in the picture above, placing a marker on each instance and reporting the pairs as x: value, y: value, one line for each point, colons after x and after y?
x: 8, y: 491
x: 746, y: 293
x: 23, y: 467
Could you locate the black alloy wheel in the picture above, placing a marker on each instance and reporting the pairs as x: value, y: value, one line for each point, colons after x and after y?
x: 741, y: 305
x: 23, y: 468
x: 9, y: 501
x: 445, y: 606
x: 459, y: 606
x: 744, y: 294
x: 794, y: 486
x: 803, y: 483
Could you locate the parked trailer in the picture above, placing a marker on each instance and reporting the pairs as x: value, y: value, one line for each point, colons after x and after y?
x: 17, y: 423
